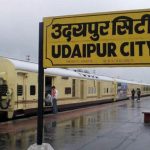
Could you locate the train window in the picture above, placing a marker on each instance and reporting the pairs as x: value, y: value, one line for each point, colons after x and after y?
x: 89, y: 90
x: 32, y: 90
x: 3, y: 89
x: 18, y: 142
x: 19, y: 90
x: 107, y: 90
x: 92, y: 90
x: 67, y: 90
x: 119, y: 84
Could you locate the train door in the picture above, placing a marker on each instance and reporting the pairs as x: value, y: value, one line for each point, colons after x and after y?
x: 99, y: 90
x: 48, y: 84
x: 21, y: 91
x: 73, y: 88
x: 122, y: 90
x: 82, y: 90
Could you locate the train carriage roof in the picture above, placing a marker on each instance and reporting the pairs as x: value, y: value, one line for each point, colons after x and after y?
x: 131, y: 82
x: 33, y: 67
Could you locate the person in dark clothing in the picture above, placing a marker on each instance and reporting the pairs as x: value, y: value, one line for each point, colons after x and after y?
x: 133, y: 94
x: 138, y: 94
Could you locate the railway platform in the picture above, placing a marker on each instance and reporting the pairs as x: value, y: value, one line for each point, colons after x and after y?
x: 113, y: 126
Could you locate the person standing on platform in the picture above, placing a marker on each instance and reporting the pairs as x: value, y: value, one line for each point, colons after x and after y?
x: 138, y: 94
x: 133, y: 94
x: 54, y: 94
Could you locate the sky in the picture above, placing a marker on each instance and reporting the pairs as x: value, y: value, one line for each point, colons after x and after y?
x: 19, y: 20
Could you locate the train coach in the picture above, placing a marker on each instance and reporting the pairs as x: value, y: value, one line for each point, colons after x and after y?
x: 19, y: 88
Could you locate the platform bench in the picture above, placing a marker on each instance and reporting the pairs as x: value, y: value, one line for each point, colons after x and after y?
x: 146, y: 116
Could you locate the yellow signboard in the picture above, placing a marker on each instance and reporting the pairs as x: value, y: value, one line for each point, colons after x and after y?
x: 102, y: 39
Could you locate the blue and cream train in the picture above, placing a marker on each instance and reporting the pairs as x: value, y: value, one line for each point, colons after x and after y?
x: 19, y: 88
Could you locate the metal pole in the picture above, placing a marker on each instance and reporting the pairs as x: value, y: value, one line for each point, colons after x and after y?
x: 40, y: 88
